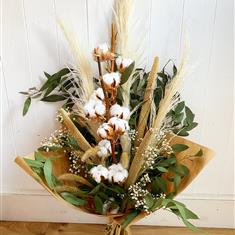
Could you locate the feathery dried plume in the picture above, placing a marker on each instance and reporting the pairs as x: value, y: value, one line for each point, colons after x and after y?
x: 83, y: 67
x: 122, y: 14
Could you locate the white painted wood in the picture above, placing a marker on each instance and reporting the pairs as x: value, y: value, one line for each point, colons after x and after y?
x: 33, y: 43
x: 213, y: 212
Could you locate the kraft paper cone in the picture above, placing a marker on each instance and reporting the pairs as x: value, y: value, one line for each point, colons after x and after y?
x: 61, y: 166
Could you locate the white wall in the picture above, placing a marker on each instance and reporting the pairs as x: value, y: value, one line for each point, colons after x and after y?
x: 32, y: 43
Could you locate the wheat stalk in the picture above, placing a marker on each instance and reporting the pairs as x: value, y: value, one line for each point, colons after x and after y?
x: 75, y: 178
x: 146, y: 107
x: 82, y: 142
x: 83, y: 66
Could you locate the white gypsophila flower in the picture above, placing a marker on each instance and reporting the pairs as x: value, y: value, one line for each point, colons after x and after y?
x: 119, y: 125
x: 117, y: 173
x: 98, y: 94
x: 111, y: 80
x: 104, y: 148
x: 123, y: 63
x: 105, y: 131
x: 119, y: 111
x: 97, y: 172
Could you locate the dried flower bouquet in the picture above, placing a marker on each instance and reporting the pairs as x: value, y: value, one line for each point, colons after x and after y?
x: 119, y: 151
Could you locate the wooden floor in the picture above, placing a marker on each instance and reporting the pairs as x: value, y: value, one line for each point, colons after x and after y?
x: 23, y: 228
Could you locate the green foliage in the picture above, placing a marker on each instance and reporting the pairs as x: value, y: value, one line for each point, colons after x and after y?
x: 54, y: 98
x: 98, y: 204
x: 136, y: 95
x: 127, y: 73
x: 72, y: 199
x: 34, y: 163
x: 26, y: 105
x: 59, y: 83
x: 181, y: 211
x: 199, y: 153
x: 129, y: 218
x: 39, y: 156
x: 47, y: 169
x: 179, y: 147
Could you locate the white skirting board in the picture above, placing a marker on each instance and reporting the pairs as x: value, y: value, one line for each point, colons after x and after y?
x: 213, y: 212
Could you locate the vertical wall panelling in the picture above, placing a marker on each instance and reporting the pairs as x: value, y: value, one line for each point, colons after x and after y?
x: 196, y: 85
x: 74, y: 16
x: 217, y: 114
x: 17, y: 77
x: 166, y: 24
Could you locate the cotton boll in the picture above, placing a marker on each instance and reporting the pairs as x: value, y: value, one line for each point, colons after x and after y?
x: 103, y: 53
x: 115, y: 110
x: 98, y: 94
x: 103, y: 152
x: 119, y: 125
x: 98, y: 172
x: 104, y: 47
x: 89, y: 110
x: 111, y: 80
x: 117, y: 173
x: 105, y: 131
x: 118, y: 111
x: 100, y: 109
x: 123, y: 63
x: 104, y: 148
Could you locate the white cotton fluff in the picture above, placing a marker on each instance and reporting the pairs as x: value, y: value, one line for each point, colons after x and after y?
x: 111, y: 80
x: 119, y: 125
x: 123, y: 62
x: 94, y: 108
x: 103, y: 47
x: 119, y: 111
x: 89, y: 109
x: 104, y: 148
x: 100, y: 109
x: 98, y: 94
x: 105, y: 131
x: 117, y: 173
x: 97, y: 172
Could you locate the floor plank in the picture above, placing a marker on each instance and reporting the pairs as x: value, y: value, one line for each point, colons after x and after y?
x: 27, y: 228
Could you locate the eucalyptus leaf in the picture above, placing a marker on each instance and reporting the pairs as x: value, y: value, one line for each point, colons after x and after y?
x: 127, y: 73
x: 199, y: 153
x: 98, y: 204
x: 47, y: 169
x: 179, y: 107
x: 26, y: 105
x: 130, y: 217
x: 162, y: 169
x: 189, y: 115
x: 24, y: 93
x: 39, y: 156
x: 69, y: 197
x: 177, y: 180
x: 54, y: 98
x: 161, y: 183
x: 179, y: 147
x: 34, y: 163
x: 149, y: 200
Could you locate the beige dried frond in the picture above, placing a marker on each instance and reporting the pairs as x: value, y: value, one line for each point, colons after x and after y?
x: 83, y: 66
x: 122, y: 14
x: 171, y: 88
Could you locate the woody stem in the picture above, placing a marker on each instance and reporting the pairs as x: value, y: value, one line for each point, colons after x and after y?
x: 107, y: 107
x: 106, y: 98
x: 113, y: 45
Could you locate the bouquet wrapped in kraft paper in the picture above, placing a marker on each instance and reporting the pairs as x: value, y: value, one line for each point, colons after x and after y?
x: 120, y: 150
